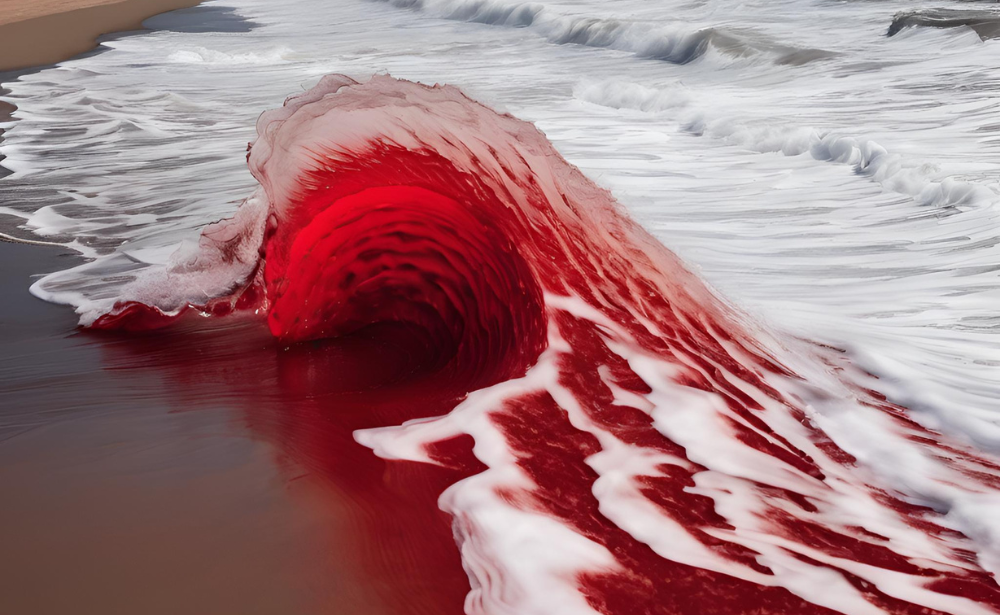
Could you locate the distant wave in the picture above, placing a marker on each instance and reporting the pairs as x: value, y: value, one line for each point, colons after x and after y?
x: 985, y: 23
x: 678, y: 44
x: 641, y: 447
x: 868, y: 157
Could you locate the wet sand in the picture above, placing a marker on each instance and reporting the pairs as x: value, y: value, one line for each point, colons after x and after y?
x: 206, y: 470
x: 114, y: 499
x: 38, y: 32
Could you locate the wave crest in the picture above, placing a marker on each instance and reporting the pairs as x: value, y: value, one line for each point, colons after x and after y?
x: 985, y: 23
x: 677, y: 44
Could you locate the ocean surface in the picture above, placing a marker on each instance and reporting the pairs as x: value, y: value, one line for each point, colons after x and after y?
x: 829, y: 169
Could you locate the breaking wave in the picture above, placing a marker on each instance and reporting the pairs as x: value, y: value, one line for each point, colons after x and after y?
x: 985, y: 23
x: 642, y: 447
x: 892, y: 171
x: 678, y: 44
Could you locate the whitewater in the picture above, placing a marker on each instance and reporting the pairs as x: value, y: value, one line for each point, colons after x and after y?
x: 810, y: 419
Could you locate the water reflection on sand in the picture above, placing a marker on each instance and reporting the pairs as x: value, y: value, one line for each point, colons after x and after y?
x: 207, y: 471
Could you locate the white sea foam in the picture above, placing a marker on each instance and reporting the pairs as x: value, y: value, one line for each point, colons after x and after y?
x: 202, y: 55
x: 731, y: 472
x: 915, y: 179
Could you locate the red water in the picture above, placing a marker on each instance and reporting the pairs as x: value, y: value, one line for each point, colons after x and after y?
x: 432, y: 237
x: 392, y: 543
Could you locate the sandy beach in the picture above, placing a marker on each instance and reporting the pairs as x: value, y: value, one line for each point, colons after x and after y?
x: 39, y: 32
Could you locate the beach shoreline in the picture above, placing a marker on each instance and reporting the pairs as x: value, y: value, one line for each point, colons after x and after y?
x: 39, y: 33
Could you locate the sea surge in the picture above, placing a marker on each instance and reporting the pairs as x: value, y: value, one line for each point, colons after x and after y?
x: 640, y: 445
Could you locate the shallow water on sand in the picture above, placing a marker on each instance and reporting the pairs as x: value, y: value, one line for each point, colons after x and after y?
x: 194, y: 472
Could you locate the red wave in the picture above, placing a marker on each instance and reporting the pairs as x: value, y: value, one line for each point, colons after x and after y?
x: 356, y: 256
x: 630, y: 406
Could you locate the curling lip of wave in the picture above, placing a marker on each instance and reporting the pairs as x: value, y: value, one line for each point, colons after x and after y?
x: 869, y: 158
x: 677, y: 45
x: 983, y: 22
x: 651, y: 449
